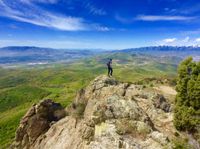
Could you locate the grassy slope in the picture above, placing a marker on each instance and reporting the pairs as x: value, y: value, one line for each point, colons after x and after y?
x: 20, y: 88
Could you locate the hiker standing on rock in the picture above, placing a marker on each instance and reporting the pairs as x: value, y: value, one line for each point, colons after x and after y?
x: 110, y: 70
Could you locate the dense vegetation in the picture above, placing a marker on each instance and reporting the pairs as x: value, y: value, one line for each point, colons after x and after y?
x: 21, y: 87
x: 187, y: 108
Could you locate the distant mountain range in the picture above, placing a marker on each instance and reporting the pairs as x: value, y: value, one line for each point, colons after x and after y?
x: 26, y: 54
x: 165, y: 51
x: 34, y: 55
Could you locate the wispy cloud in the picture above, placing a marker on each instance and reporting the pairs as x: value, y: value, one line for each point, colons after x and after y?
x: 163, y: 18
x: 152, y: 18
x: 33, y: 14
x: 40, y: 1
x: 190, y: 32
x: 123, y: 19
x: 189, y: 9
x: 94, y: 10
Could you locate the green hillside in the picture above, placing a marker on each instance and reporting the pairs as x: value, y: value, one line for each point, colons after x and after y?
x: 21, y: 87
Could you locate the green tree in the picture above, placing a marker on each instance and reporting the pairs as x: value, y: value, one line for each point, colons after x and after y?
x: 187, y: 104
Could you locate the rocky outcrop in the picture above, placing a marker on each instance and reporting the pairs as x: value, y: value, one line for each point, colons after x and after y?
x: 36, y: 122
x: 106, y: 114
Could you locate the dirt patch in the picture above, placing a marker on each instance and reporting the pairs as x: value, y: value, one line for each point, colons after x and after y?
x: 166, y: 90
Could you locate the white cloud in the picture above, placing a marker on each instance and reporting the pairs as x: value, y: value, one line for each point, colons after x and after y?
x: 102, y: 28
x: 163, y: 18
x: 169, y: 40
x: 187, y: 41
x: 197, y: 40
x: 33, y: 14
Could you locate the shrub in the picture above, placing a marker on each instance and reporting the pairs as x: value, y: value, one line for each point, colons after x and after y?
x: 184, y: 118
x: 187, y: 103
x: 181, y: 143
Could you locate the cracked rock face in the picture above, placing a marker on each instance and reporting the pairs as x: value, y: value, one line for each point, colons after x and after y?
x: 111, y: 115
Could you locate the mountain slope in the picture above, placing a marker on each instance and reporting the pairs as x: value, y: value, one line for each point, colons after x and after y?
x: 107, y: 114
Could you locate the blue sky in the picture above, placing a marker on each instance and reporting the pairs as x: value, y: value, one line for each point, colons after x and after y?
x: 106, y: 24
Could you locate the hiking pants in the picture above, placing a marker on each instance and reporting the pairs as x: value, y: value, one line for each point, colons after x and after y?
x: 110, y: 71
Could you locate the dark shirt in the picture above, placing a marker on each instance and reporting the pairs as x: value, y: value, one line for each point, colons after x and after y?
x: 109, y: 64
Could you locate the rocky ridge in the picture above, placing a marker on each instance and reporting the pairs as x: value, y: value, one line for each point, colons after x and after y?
x: 107, y: 114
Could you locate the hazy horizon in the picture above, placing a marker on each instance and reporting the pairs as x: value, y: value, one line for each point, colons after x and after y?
x: 100, y: 49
